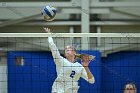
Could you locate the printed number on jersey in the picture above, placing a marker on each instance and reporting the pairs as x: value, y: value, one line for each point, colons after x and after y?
x: 72, y: 74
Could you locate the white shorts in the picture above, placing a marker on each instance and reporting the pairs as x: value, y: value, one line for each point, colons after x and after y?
x: 61, y: 87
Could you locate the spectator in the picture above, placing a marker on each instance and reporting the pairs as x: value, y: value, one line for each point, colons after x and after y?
x: 130, y: 88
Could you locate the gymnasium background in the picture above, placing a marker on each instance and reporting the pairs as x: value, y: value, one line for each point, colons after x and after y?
x: 26, y: 64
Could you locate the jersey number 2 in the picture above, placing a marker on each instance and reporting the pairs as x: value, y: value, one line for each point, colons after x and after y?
x: 72, y: 74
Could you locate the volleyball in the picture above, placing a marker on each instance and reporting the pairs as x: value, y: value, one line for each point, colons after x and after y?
x: 49, y: 13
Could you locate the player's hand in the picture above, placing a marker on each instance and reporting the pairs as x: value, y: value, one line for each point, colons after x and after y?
x: 85, y: 60
x: 47, y: 30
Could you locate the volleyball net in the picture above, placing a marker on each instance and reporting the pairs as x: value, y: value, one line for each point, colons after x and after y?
x: 31, y: 70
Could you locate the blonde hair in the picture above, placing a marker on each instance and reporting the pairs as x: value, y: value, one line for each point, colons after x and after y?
x: 70, y: 46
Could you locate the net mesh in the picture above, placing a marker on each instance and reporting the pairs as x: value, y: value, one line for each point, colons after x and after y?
x: 27, y: 64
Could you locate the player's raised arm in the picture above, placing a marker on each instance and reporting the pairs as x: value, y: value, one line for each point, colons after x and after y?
x: 86, y: 73
x: 55, y: 53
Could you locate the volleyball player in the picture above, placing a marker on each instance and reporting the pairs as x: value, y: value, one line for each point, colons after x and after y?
x: 68, y: 71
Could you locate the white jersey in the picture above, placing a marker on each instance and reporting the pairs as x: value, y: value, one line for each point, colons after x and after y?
x: 68, y: 73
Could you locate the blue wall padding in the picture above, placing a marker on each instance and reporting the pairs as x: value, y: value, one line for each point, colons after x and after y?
x: 39, y: 72
x: 36, y: 76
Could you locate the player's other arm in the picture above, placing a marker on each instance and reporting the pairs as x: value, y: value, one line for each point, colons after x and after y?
x: 90, y: 76
x: 55, y: 53
x: 86, y: 73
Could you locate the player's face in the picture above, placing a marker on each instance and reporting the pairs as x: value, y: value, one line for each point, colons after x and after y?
x: 69, y: 51
x: 129, y: 89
